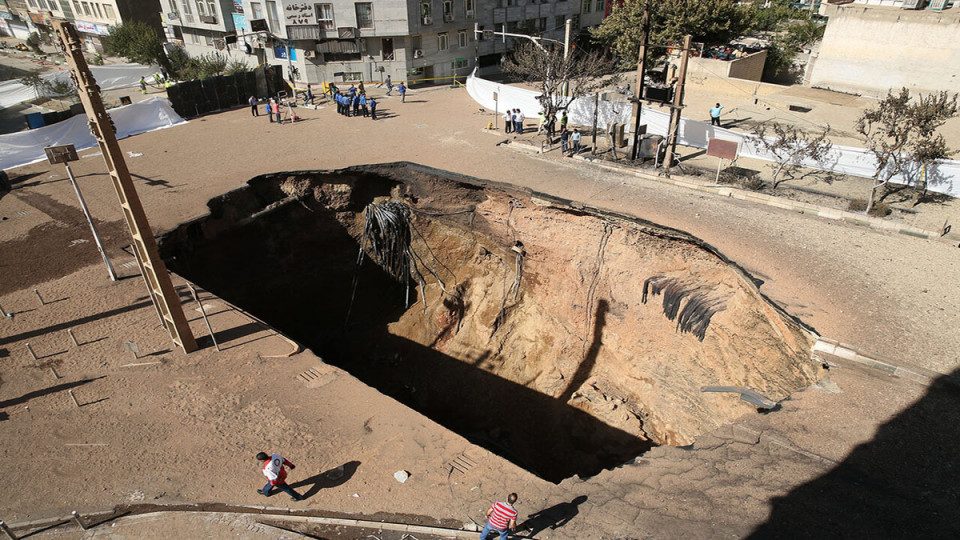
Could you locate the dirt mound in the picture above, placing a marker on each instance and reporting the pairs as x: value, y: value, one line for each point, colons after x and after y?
x: 565, y: 338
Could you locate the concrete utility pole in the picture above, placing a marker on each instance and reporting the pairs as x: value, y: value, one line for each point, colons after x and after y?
x: 674, y: 129
x: 154, y: 271
x: 641, y: 69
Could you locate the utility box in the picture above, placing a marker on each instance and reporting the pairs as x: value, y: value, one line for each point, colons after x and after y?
x: 616, y: 130
x: 649, y: 145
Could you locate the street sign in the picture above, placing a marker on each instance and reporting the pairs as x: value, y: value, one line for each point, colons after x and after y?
x: 61, y: 154
x: 495, y: 97
x: 722, y: 149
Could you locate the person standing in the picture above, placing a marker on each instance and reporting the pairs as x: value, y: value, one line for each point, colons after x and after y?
x: 575, y: 139
x: 389, y: 85
x: 715, y: 115
x: 542, y: 124
x: 373, y: 107
x: 520, y: 119
x: 508, y: 121
x: 269, y: 112
x: 356, y: 104
x: 361, y: 90
x: 563, y: 121
x: 253, y: 106
x: 513, y: 120
x: 273, y: 469
x: 143, y: 85
x: 308, y: 97
x: 403, y: 92
x: 564, y: 140
x: 363, y: 104
x: 277, y: 111
x: 501, y: 517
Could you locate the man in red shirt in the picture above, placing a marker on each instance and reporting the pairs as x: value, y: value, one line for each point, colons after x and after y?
x: 502, y: 518
x: 273, y: 469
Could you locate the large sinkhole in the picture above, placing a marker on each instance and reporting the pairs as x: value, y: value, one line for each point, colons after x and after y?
x: 565, y: 339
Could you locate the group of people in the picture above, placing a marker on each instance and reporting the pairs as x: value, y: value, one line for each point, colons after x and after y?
x: 569, y: 141
x: 355, y: 103
x: 513, y: 120
x: 274, y: 110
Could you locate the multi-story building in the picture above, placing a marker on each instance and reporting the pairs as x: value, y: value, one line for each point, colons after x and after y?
x: 205, y: 26
x: 92, y: 18
x: 425, y: 41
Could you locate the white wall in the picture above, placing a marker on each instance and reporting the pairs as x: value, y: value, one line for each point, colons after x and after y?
x: 869, y: 50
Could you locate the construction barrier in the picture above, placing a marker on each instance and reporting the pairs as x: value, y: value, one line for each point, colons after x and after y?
x: 194, y: 98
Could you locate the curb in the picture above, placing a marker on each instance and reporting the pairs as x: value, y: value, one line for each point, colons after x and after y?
x: 849, y: 353
x: 256, y: 512
x: 825, y: 212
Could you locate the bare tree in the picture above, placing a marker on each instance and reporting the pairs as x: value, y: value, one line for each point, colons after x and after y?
x: 582, y: 73
x: 791, y: 147
x: 901, y: 132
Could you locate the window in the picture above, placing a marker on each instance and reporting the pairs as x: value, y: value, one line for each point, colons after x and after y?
x: 386, y: 49
x: 458, y: 63
x: 256, y: 10
x: 576, y: 22
x: 186, y: 7
x: 426, y: 9
x: 325, y: 16
x: 442, y: 41
x: 511, y: 2
x: 352, y: 76
x: 201, y: 9
x: 213, y: 8
x: 447, y: 9
x: 32, y: 3
x: 99, y: 10
x: 587, y: 6
x: 364, y: 14
x: 195, y: 38
x: 559, y: 22
x: 208, y: 39
x: 111, y: 15
x: 468, y: 5
x: 462, y: 38
x: 86, y: 9
x: 274, y: 19
x: 76, y: 6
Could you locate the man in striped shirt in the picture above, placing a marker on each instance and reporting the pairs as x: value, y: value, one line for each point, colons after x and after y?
x: 502, y: 518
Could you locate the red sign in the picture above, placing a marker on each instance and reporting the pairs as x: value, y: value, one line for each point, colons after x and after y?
x: 722, y: 149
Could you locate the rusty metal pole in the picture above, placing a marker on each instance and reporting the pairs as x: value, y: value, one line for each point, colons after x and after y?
x: 641, y: 68
x: 675, y: 110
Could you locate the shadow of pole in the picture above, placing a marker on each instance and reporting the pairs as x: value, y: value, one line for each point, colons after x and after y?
x: 590, y: 359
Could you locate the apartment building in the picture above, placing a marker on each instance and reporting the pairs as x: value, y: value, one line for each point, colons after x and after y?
x: 427, y: 41
x: 206, y: 26
x: 92, y: 18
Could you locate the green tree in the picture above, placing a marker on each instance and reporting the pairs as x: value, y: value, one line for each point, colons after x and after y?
x: 137, y: 42
x: 709, y: 21
x: 35, y: 81
x: 901, y: 131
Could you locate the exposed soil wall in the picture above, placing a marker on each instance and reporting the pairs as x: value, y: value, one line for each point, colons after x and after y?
x: 542, y: 347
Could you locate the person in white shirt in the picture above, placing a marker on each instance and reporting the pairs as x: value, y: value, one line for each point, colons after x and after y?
x: 273, y: 469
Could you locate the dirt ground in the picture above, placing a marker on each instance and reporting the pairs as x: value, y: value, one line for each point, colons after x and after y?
x: 184, y: 429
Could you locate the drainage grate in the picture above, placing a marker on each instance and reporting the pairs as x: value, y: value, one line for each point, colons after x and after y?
x: 461, y: 464
x: 316, y: 377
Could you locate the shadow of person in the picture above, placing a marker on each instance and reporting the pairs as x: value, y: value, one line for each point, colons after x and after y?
x: 328, y: 479
x: 554, y: 517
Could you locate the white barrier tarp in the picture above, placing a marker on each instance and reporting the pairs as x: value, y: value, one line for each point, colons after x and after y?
x: 26, y: 147
x: 942, y: 177
x: 110, y: 77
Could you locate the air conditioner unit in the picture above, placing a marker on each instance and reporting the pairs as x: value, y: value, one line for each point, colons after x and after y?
x: 173, y: 16
x: 309, y: 54
x: 448, y: 17
x: 428, y: 20
x: 418, y: 53
x: 913, y: 4
x: 469, y: 13
x: 347, y: 32
x: 938, y: 5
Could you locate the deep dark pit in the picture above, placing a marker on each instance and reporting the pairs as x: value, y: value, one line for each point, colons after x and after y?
x: 285, y: 248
